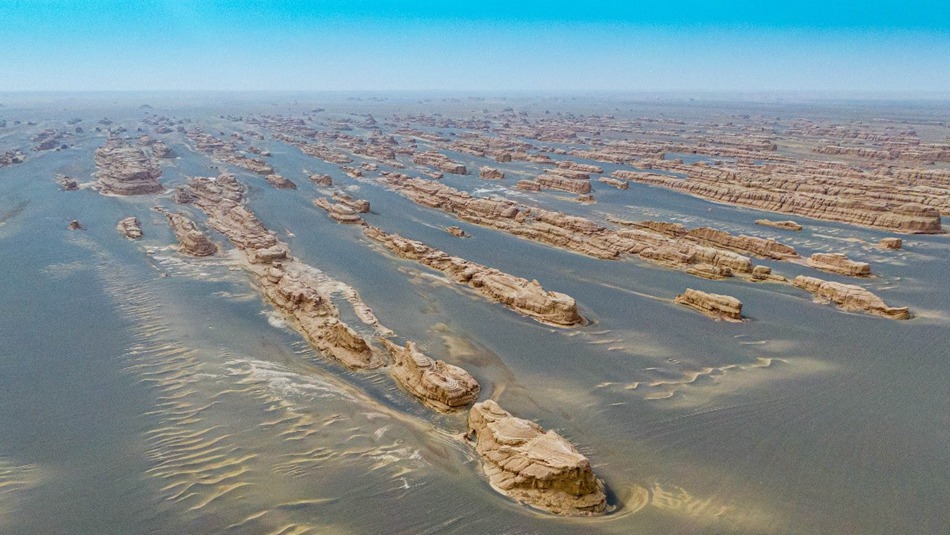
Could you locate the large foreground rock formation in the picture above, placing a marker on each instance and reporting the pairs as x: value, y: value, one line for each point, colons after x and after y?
x: 526, y: 297
x: 125, y: 169
x: 718, y: 307
x: 849, y: 297
x: 537, y: 467
x: 441, y: 386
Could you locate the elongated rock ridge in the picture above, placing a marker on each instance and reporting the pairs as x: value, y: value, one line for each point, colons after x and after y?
x: 441, y: 386
x: 291, y: 286
x: 537, y: 467
x: 849, y: 297
x: 786, y: 194
x: 522, y: 295
x: 718, y: 307
x: 570, y: 232
x: 839, y: 263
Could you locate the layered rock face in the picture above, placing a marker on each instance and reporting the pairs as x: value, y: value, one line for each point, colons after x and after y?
x: 777, y: 194
x: 891, y: 243
x: 526, y: 297
x: 569, y: 232
x: 849, y: 297
x: 289, y: 285
x: 123, y: 169
x: 763, y: 248
x: 338, y: 212
x: 785, y: 225
x: 191, y: 240
x: 718, y: 307
x: 839, y: 263
x: 619, y: 184
x: 357, y: 205
x: 441, y: 162
x: 490, y: 173
x: 280, y: 182
x: 441, y: 386
x: 538, y: 468
x: 130, y: 228
x: 563, y: 183
x: 298, y: 295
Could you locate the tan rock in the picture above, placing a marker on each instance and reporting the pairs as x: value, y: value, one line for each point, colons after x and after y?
x: 340, y: 213
x: 891, y: 243
x: 441, y: 386
x: 191, y: 240
x: 456, y: 231
x: 124, y: 169
x: 613, y: 182
x: 526, y: 297
x: 490, y: 173
x: 322, y: 180
x: 130, y: 228
x: 280, y: 182
x: 849, y: 297
x: 718, y: 307
x: 786, y: 225
x: 537, y: 467
x: 839, y: 263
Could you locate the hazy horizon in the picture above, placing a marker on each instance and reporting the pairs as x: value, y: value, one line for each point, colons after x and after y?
x: 382, y: 45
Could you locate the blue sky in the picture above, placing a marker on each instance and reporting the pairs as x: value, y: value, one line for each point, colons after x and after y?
x: 592, y: 45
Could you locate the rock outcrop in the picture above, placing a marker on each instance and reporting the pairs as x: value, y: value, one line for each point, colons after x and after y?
x: 124, y: 169
x: 521, y: 295
x: 569, y: 232
x: 891, y: 243
x: 280, y: 182
x: 441, y: 386
x: 456, y: 231
x: 294, y: 288
x: 490, y: 173
x: 754, y: 191
x: 75, y: 225
x: 718, y: 307
x: 338, y: 212
x: 849, y: 297
x: 441, y: 162
x: 840, y: 264
x: 67, y: 183
x: 537, y: 467
x: 613, y: 182
x: 130, y: 228
x: 785, y: 225
x: 563, y: 183
x: 191, y: 240
x: 322, y: 180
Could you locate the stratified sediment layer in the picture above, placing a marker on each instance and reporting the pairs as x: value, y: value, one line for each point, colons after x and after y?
x: 291, y: 286
x: 191, y: 240
x: 522, y: 295
x: 718, y: 307
x: 124, y: 169
x: 773, y: 193
x: 840, y: 264
x: 538, y: 468
x: 849, y: 297
x: 441, y: 386
x: 785, y: 225
x: 130, y: 228
x: 570, y: 232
